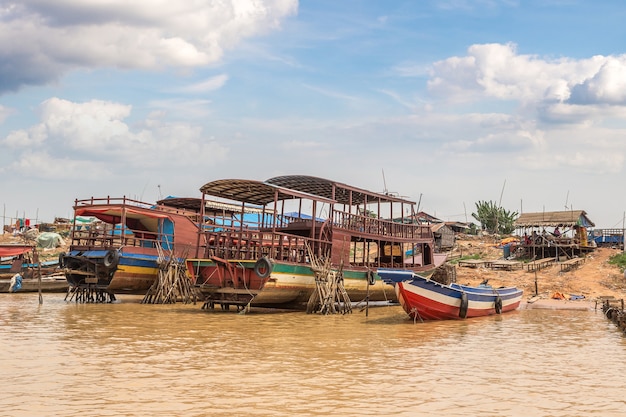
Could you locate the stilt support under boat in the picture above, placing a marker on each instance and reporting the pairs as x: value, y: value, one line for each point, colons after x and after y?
x: 225, y: 305
x: 171, y: 285
x: 89, y: 294
x: 330, y: 296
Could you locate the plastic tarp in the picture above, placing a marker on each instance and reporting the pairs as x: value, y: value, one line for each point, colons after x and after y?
x: 49, y: 240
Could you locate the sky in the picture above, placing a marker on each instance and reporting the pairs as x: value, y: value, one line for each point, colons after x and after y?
x: 445, y: 102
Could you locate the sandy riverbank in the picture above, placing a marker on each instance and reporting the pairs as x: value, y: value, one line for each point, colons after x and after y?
x: 594, y: 279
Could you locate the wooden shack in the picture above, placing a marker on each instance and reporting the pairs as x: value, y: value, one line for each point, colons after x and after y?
x: 444, y: 236
x: 554, y: 234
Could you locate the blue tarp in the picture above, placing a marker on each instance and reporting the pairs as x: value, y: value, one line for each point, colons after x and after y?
x: 16, y: 283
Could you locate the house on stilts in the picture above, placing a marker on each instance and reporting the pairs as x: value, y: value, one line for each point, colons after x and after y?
x: 555, y: 234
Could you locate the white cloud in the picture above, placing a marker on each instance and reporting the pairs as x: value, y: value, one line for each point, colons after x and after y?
x: 55, y: 37
x: 606, y: 86
x: 498, y: 71
x: 94, y: 134
x: 41, y: 165
x: 210, y: 84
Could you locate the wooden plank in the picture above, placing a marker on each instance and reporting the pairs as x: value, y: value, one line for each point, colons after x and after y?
x: 505, y: 264
x: 540, y: 263
x: 571, y: 263
x: 471, y: 263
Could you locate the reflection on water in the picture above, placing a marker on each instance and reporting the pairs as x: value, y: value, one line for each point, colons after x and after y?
x: 131, y: 359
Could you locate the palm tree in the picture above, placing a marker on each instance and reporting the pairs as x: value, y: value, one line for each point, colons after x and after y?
x: 493, y: 218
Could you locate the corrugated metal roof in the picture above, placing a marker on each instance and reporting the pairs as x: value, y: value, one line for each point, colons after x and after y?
x: 554, y: 218
x: 188, y: 203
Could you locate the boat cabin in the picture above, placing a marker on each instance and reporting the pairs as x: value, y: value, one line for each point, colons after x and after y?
x: 285, y: 217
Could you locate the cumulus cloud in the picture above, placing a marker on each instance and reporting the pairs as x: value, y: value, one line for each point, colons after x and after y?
x: 55, y: 37
x: 497, y: 71
x: 96, y: 135
x: 606, y: 86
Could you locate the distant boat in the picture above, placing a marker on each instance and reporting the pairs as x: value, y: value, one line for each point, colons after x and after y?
x: 260, y: 243
x: 425, y: 299
x: 120, y: 249
x: 20, y: 271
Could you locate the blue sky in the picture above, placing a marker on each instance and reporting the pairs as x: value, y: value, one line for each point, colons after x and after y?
x: 518, y: 102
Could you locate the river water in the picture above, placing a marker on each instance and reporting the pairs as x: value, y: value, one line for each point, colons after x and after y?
x: 68, y: 359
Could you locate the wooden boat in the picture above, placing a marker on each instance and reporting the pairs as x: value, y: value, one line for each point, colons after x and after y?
x: 23, y: 260
x: 425, y: 299
x: 121, y: 252
x: 260, y: 242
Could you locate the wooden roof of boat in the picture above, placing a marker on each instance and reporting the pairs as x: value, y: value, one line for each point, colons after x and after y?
x: 254, y: 192
x: 294, y: 186
x: 567, y: 218
x: 342, y: 193
x: 187, y: 203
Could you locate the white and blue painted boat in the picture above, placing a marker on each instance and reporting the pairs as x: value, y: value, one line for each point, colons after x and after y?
x: 425, y: 299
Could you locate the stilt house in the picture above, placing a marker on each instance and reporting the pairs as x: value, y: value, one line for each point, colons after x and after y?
x: 558, y: 234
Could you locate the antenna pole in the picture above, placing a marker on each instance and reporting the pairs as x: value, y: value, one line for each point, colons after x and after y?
x: 384, y: 182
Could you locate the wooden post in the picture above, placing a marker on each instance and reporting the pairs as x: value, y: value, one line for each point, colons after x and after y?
x: 367, y: 297
x: 36, y: 259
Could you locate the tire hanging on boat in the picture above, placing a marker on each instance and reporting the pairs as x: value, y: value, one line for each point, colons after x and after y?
x: 371, y: 278
x: 263, y: 267
x: 464, y: 306
x: 498, y: 305
x: 111, y: 259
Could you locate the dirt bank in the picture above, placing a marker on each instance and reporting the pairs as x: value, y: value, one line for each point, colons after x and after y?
x: 595, y: 278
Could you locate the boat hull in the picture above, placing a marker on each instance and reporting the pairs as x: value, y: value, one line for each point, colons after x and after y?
x: 424, y: 299
x: 131, y: 273
x: 56, y: 283
x: 289, y: 285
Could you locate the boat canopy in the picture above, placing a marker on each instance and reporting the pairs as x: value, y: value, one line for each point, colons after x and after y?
x: 135, y: 218
x: 14, y: 250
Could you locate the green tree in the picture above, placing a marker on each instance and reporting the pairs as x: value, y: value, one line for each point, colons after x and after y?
x: 493, y: 218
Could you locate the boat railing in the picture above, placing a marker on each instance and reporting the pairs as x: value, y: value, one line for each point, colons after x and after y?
x: 112, y: 200
x: 365, y: 225
x: 252, y: 245
x: 105, y: 239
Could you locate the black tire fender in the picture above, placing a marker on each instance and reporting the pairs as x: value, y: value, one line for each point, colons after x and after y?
x: 371, y: 278
x: 263, y: 267
x: 498, y: 305
x: 464, y: 306
x: 111, y: 259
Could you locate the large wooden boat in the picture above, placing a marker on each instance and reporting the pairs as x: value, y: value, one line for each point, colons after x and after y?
x: 23, y: 261
x: 425, y: 299
x: 258, y: 248
x: 121, y: 252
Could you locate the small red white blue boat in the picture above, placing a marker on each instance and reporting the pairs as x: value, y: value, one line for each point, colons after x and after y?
x: 425, y: 299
